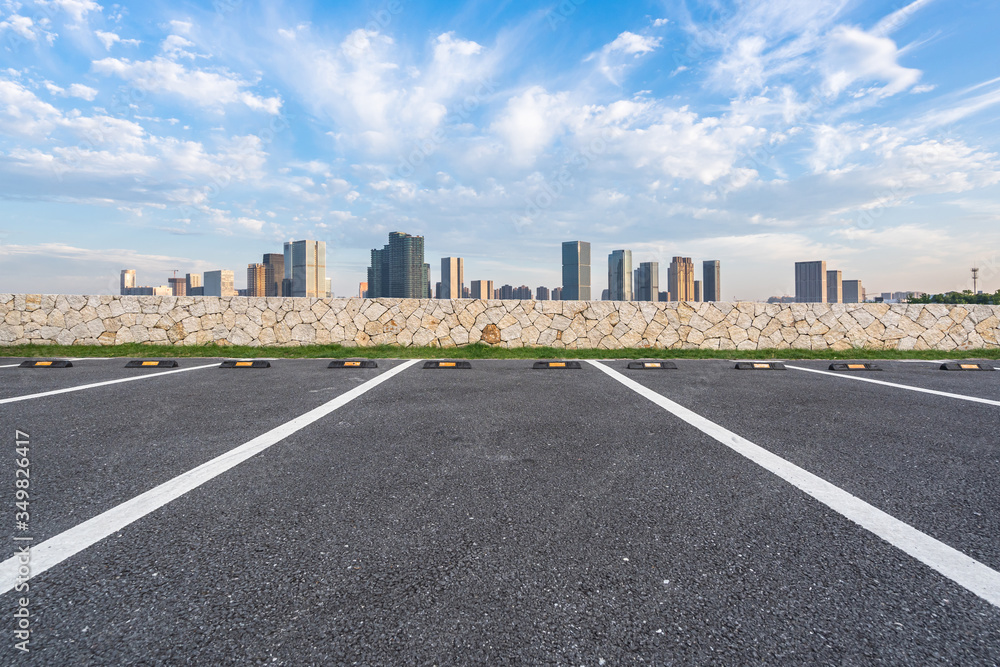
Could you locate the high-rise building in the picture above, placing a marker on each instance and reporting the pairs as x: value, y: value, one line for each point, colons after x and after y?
x: 128, y: 280
x: 482, y: 289
x: 711, y: 283
x: 834, y: 287
x: 305, y: 267
x: 274, y: 273
x: 362, y: 290
x: 664, y: 296
x: 557, y: 294
x: 810, y: 282
x: 256, y: 280
x: 647, y: 282
x: 193, y: 284
x: 697, y: 290
x: 438, y: 290
x: 163, y: 290
x: 329, y: 288
x: 506, y: 292
x: 605, y: 295
x: 178, y: 286
x: 427, y: 278
x: 452, y: 277
x: 620, y: 275
x: 398, y: 269
x: 680, y: 279
x: 542, y: 293
x: 523, y: 292
x: 219, y: 283
x: 853, y: 291
x: 576, y: 270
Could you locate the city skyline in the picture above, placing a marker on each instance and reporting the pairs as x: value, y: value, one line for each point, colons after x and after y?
x: 144, y: 138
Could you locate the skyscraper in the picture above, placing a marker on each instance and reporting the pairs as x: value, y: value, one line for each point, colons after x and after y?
x: 576, y: 271
x: 128, y: 280
x: 697, y: 290
x: 834, y: 287
x: 482, y: 289
x: 810, y: 282
x: 647, y: 282
x: 256, y: 280
x: 557, y: 294
x: 853, y: 291
x: 219, y: 283
x: 362, y: 290
x: 178, y: 286
x: 193, y: 284
x: 523, y: 292
x: 452, y: 277
x: 506, y: 291
x: 427, y: 279
x: 711, y: 284
x: 680, y: 279
x: 274, y: 273
x: 305, y: 266
x: 398, y: 269
x: 620, y: 275
x: 542, y: 293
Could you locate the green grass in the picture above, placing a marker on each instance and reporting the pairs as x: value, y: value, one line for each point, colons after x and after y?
x: 474, y: 351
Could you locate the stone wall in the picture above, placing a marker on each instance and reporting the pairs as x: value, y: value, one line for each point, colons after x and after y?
x: 113, y: 320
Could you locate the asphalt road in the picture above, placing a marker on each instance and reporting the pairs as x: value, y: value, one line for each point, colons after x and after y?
x: 499, y: 515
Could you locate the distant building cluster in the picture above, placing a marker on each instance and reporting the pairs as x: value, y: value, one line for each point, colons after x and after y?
x: 643, y: 282
x: 815, y: 284
x: 299, y: 271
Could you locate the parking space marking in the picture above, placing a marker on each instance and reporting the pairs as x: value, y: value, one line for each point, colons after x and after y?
x: 952, y: 563
x: 56, y: 549
x: 963, y: 397
x: 26, y: 397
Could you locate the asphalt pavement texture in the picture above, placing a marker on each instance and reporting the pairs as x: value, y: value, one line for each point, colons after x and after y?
x: 503, y: 515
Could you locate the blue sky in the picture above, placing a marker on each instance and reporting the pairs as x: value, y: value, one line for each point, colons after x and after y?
x: 200, y: 135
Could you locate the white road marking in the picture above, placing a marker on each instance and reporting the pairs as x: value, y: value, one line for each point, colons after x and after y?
x: 15, y: 399
x: 962, y: 397
x: 56, y: 549
x: 953, y: 564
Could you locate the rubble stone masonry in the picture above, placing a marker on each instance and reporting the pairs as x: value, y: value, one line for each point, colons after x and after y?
x: 113, y: 320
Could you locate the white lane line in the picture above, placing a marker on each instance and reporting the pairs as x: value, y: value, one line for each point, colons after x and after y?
x: 953, y: 564
x: 56, y: 549
x: 15, y: 399
x: 962, y: 397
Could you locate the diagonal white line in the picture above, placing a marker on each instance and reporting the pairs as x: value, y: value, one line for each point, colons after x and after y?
x: 56, y: 549
x: 26, y: 397
x: 952, y: 563
x: 935, y: 392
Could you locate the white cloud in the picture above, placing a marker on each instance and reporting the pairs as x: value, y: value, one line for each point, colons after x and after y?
x: 175, y: 46
x: 633, y: 44
x: 853, y: 55
x: 22, y: 113
x: 898, y: 18
x: 531, y: 122
x: 21, y: 25
x: 207, y: 89
x: 77, y: 9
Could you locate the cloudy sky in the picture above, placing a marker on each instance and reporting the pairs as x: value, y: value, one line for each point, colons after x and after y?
x: 198, y: 135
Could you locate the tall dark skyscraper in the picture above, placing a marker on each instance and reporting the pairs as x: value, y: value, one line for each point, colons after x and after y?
x: 274, y: 273
x: 576, y: 271
x: 810, y: 282
x: 398, y: 269
x: 620, y: 276
x: 711, y: 284
x: 647, y: 282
